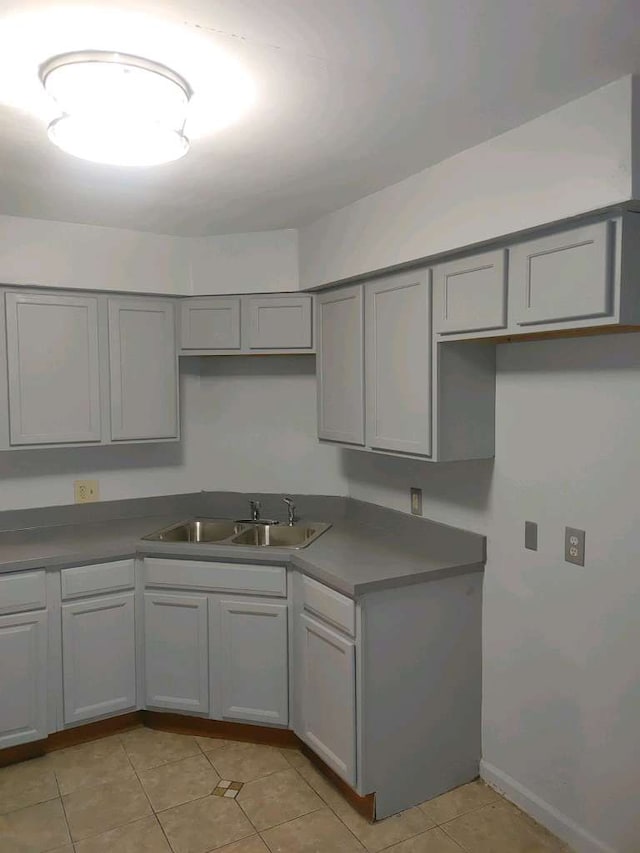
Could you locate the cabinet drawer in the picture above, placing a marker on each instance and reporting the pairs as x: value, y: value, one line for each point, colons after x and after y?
x: 330, y: 605
x: 471, y: 294
x: 22, y: 591
x: 565, y: 276
x: 218, y: 576
x: 103, y: 577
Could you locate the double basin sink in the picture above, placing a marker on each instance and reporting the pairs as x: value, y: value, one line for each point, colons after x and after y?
x: 247, y: 533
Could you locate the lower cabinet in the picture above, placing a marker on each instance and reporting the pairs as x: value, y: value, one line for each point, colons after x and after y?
x: 23, y: 678
x: 253, y: 661
x: 176, y: 652
x: 99, y: 654
x: 327, y: 682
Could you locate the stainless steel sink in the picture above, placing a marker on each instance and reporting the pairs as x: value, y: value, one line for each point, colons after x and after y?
x: 281, y: 535
x: 198, y: 530
x: 247, y: 534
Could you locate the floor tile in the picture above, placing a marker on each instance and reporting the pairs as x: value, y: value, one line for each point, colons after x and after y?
x: 142, y: 836
x: 96, y: 763
x: 91, y: 811
x: 26, y: 784
x: 319, y: 832
x: 254, y: 844
x: 321, y: 785
x: 148, y: 748
x: 278, y: 798
x: 244, y: 762
x: 458, y: 801
x: 211, y: 744
x: 179, y: 782
x: 384, y: 833
x: 501, y: 828
x: 34, y: 829
x: 68, y: 848
x: 205, y: 825
x: 432, y: 841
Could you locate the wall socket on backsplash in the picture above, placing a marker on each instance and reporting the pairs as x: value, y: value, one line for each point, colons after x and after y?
x: 416, y: 501
x: 86, y: 491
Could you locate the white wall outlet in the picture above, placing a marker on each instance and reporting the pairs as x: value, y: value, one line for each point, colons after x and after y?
x: 574, y: 545
x: 86, y: 491
x: 416, y: 501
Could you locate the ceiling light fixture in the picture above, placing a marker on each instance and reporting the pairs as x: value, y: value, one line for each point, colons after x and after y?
x: 117, y: 108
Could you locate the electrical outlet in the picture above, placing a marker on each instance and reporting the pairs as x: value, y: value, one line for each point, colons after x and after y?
x: 574, y: 545
x: 86, y: 491
x: 416, y: 501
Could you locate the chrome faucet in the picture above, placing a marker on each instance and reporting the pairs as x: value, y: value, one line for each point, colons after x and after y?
x: 255, y: 506
x: 291, y: 510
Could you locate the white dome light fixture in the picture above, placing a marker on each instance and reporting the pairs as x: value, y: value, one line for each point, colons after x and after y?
x: 116, y: 108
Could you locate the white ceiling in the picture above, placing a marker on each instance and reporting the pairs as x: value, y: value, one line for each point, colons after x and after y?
x: 350, y: 96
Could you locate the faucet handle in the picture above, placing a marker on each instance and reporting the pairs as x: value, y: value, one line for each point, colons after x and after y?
x: 291, y: 508
x: 255, y: 506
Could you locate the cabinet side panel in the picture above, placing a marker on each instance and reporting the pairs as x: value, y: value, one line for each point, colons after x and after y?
x: 421, y: 686
x: 465, y: 381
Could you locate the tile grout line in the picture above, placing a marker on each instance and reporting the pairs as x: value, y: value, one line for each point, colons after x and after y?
x: 153, y: 811
x: 64, y: 811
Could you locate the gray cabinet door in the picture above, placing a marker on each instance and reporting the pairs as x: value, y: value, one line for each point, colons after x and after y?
x: 53, y: 369
x: 176, y: 652
x: 398, y: 363
x: 565, y: 276
x: 143, y: 369
x: 470, y: 294
x: 23, y: 678
x: 328, y: 702
x: 210, y: 323
x: 340, y: 365
x: 253, y: 650
x: 277, y: 322
x: 98, y: 657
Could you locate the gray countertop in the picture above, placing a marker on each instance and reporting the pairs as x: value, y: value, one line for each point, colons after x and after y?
x: 367, y: 548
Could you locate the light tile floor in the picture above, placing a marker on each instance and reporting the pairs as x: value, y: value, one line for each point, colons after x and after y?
x: 151, y: 792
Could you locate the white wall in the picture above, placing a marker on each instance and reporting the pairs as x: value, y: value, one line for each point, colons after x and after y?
x: 561, y: 702
x: 569, y: 161
x: 63, y: 254
x: 245, y: 263
x: 247, y: 423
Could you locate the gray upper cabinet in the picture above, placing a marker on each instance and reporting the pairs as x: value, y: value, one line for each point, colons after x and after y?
x: 143, y: 369
x: 340, y: 366
x: 210, y: 323
x: 254, y: 665
x: 398, y: 363
x: 176, y: 652
x: 256, y: 323
x: 53, y: 369
x: 564, y: 276
x: 470, y: 294
x: 23, y: 669
x: 98, y: 655
x: 277, y: 322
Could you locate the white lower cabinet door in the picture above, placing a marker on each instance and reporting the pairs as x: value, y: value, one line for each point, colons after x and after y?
x: 253, y: 649
x: 23, y: 678
x: 98, y: 657
x: 328, y: 685
x: 176, y: 652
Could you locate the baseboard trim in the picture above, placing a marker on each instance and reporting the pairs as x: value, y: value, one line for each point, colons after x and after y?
x: 556, y: 822
x: 184, y: 724
x: 22, y: 752
x: 364, y: 805
x: 92, y: 731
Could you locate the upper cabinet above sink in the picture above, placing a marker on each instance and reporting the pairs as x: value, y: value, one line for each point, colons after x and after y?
x: 267, y: 323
